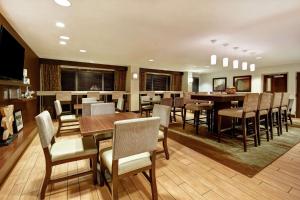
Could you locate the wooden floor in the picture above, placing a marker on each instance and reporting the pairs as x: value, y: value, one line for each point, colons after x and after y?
x: 187, y: 175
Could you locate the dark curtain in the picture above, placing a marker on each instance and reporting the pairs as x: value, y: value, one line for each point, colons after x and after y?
x: 51, y: 77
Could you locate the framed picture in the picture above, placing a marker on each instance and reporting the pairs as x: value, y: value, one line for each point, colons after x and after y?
x: 219, y: 84
x: 242, y: 83
x: 18, y: 121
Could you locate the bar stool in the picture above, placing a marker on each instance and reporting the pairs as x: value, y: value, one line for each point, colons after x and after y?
x: 284, y: 111
x: 65, y: 98
x: 248, y: 111
x: 263, y: 111
x: 197, y: 108
x: 274, y: 113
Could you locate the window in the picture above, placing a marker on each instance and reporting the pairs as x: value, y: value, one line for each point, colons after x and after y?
x: 86, y: 80
x: 158, y: 82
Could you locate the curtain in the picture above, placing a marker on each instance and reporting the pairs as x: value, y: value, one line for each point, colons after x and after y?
x: 120, y: 80
x: 51, y: 77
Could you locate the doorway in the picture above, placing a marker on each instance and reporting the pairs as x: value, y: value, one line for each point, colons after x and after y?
x: 195, y: 84
x: 275, y: 83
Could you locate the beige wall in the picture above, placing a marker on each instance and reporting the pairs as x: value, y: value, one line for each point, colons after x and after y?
x: 257, y: 78
x: 132, y: 86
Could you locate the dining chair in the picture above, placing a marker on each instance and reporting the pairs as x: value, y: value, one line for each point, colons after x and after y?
x: 63, y: 151
x: 133, y: 151
x: 63, y: 120
x: 156, y: 99
x: 151, y: 94
x: 178, y: 106
x: 145, y: 105
x: 248, y: 111
x: 262, y: 113
x: 274, y: 113
x: 120, y: 104
x: 65, y: 98
x: 163, y: 112
x: 167, y: 102
x: 284, y: 111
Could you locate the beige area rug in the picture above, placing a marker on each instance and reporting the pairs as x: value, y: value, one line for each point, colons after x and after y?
x: 230, y: 151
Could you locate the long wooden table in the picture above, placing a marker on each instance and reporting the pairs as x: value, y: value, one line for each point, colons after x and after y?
x: 102, y: 123
x: 221, y: 101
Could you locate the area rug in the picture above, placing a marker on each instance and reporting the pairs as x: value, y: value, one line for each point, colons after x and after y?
x: 230, y: 151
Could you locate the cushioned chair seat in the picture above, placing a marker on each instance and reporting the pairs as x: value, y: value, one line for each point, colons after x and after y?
x: 263, y: 112
x: 68, y: 118
x: 275, y: 110
x: 284, y: 108
x: 127, y: 164
x: 177, y: 109
x: 161, y: 134
x: 73, y: 148
x: 235, y: 112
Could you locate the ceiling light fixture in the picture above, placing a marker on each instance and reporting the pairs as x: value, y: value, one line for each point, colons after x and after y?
x: 60, y: 24
x: 62, y: 42
x: 252, y: 67
x: 258, y: 57
x: 64, y: 3
x: 235, y: 64
x: 225, y: 62
x: 213, y: 59
x: 151, y: 60
x: 64, y: 37
x: 244, y: 65
x: 82, y: 51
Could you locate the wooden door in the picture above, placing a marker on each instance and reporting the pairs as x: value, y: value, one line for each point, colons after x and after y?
x: 298, y: 96
x: 275, y: 83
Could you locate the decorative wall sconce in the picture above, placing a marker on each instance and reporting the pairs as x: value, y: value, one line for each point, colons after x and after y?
x: 135, y: 76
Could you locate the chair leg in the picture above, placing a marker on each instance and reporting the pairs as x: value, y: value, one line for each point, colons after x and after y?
x: 102, y: 173
x: 184, y: 118
x: 58, y: 129
x: 166, y: 150
x: 278, y: 123
x: 153, y: 178
x: 174, y: 114
x: 267, y: 127
x: 219, y: 127
x: 286, y: 121
x: 94, y: 160
x: 271, y: 125
x: 258, y: 128
x: 290, y: 118
x: 115, y: 180
x: 244, y: 134
x: 255, y: 132
x: 46, y: 181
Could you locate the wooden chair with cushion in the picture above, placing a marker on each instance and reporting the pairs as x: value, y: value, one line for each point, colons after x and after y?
x: 163, y: 112
x: 145, y: 105
x: 274, y: 114
x: 65, y: 98
x: 120, y: 104
x: 63, y: 120
x: 63, y: 151
x: 284, y: 111
x: 133, y: 151
x: 263, y: 112
x: 156, y: 99
x: 178, y: 106
x: 248, y: 111
x: 167, y: 102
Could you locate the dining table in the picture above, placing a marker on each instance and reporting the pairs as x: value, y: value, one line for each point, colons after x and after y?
x: 220, y: 101
x: 101, y: 124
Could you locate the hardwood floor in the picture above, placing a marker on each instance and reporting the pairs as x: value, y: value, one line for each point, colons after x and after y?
x: 188, y: 175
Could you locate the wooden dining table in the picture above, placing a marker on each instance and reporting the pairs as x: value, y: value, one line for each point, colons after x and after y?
x: 90, y: 125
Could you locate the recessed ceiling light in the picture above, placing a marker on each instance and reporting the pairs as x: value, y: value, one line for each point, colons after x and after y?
x: 60, y: 24
x: 82, y: 51
x: 151, y: 60
x: 258, y: 57
x: 62, y: 42
x: 65, y: 3
x: 64, y: 37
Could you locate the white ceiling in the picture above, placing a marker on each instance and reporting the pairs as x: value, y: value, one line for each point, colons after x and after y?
x: 175, y: 33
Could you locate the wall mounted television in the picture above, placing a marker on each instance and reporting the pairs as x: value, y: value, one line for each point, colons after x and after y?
x: 11, y: 57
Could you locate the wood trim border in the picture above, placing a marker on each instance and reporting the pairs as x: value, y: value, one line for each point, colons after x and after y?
x: 82, y: 64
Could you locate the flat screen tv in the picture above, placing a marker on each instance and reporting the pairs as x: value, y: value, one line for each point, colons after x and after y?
x: 11, y: 57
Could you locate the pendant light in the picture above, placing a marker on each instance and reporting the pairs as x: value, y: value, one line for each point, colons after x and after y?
x: 213, y: 57
x: 252, y: 67
x: 225, y: 59
x: 235, y: 64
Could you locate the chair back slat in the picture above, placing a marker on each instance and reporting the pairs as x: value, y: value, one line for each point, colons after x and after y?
x: 251, y: 102
x: 285, y: 99
x: 163, y: 112
x: 167, y: 102
x: 276, y: 100
x: 58, y: 108
x: 265, y: 101
x: 45, y: 128
x: 64, y: 96
x: 135, y: 136
x: 102, y: 108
